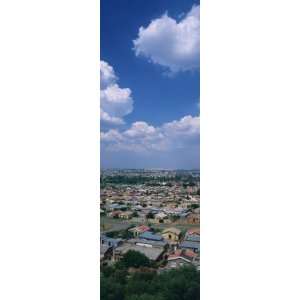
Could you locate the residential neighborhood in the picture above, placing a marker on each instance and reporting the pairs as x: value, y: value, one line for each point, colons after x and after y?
x: 155, y: 213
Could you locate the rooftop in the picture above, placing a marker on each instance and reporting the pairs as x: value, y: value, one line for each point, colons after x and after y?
x: 192, y: 238
x: 141, y: 228
x: 151, y: 253
x: 173, y: 230
x: 151, y: 236
x: 148, y: 242
x: 190, y: 245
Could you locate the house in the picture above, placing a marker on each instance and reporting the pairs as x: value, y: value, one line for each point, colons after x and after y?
x: 181, y: 258
x: 193, y: 218
x: 150, y: 236
x: 171, y: 234
x: 160, y: 216
x: 139, y: 230
x: 137, y: 207
x: 148, y: 243
x: 116, y: 206
x: 193, y: 235
x: 106, y: 253
x: 155, y: 210
x: 110, y: 242
x: 193, y: 231
x: 153, y: 253
x: 190, y: 245
x: 192, y: 238
x: 115, y: 213
x: 125, y: 215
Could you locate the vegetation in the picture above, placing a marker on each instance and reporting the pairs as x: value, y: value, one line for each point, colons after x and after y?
x: 135, y: 214
x: 133, y: 259
x: 117, y: 283
x: 174, y: 218
x: 194, y: 206
x: 186, y: 180
x: 124, y: 234
x: 150, y: 215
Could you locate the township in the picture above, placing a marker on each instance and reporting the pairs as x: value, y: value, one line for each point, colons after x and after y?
x: 153, y: 212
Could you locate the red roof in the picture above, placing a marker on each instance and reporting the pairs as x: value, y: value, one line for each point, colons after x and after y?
x: 194, y: 231
x: 183, y: 253
x: 143, y: 228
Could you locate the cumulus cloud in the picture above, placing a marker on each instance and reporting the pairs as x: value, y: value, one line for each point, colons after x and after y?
x: 105, y: 117
x: 107, y: 74
x: 142, y: 137
x: 174, y: 45
x: 115, y: 102
x: 139, y: 129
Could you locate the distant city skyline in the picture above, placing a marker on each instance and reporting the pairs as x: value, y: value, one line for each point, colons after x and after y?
x: 150, y: 84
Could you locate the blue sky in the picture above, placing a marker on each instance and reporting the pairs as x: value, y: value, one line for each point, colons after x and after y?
x: 149, y: 84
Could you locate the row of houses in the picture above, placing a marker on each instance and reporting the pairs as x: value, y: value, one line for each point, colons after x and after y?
x: 169, y: 246
x: 158, y: 215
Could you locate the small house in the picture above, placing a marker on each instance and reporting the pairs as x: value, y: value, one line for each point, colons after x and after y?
x: 139, y: 230
x: 171, y: 234
x: 150, y: 236
x: 125, y: 215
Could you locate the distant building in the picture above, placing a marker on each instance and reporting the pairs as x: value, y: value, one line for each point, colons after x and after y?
x: 193, y: 218
x: 150, y: 236
x: 194, y: 246
x: 148, y: 243
x: 115, y: 213
x: 139, y: 230
x: 193, y: 231
x: 182, y: 258
x: 106, y: 253
x: 116, y: 206
x: 125, y: 215
x: 153, y: 252
x: 110, y: 242
x: 172, y: 234
x: 193, y: 235
x: 160, y: 216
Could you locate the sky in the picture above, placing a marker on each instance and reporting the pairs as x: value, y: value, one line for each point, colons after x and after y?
x: 149, y: 74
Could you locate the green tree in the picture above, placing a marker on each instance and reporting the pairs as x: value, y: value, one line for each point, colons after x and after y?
x: 135, y: 214
x: 110, y: 290
x: 150, y: 215
x: 145, y: 297
x: 135, y: 259
x: 194, y: 206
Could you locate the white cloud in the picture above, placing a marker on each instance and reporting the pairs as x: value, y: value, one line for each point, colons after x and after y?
x: 174, y: 45
x: 107, y: 74
x: 140, y: 129
x: 112, y: 135
x: 105, y: 117
x: 115, y: 102
x: 186, y: 126
x: 142, y: 137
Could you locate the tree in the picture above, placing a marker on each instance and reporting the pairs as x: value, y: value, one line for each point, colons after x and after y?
x: 125, y: 234
x: 174, y: 218
x: 107, y: 271
x: 194, y: 206
x: 145, y: 284
x: 110, y: 290
x: 135, y: 259
x: 145, y: 297
x: 193, y: 292
x: 150, y: 215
